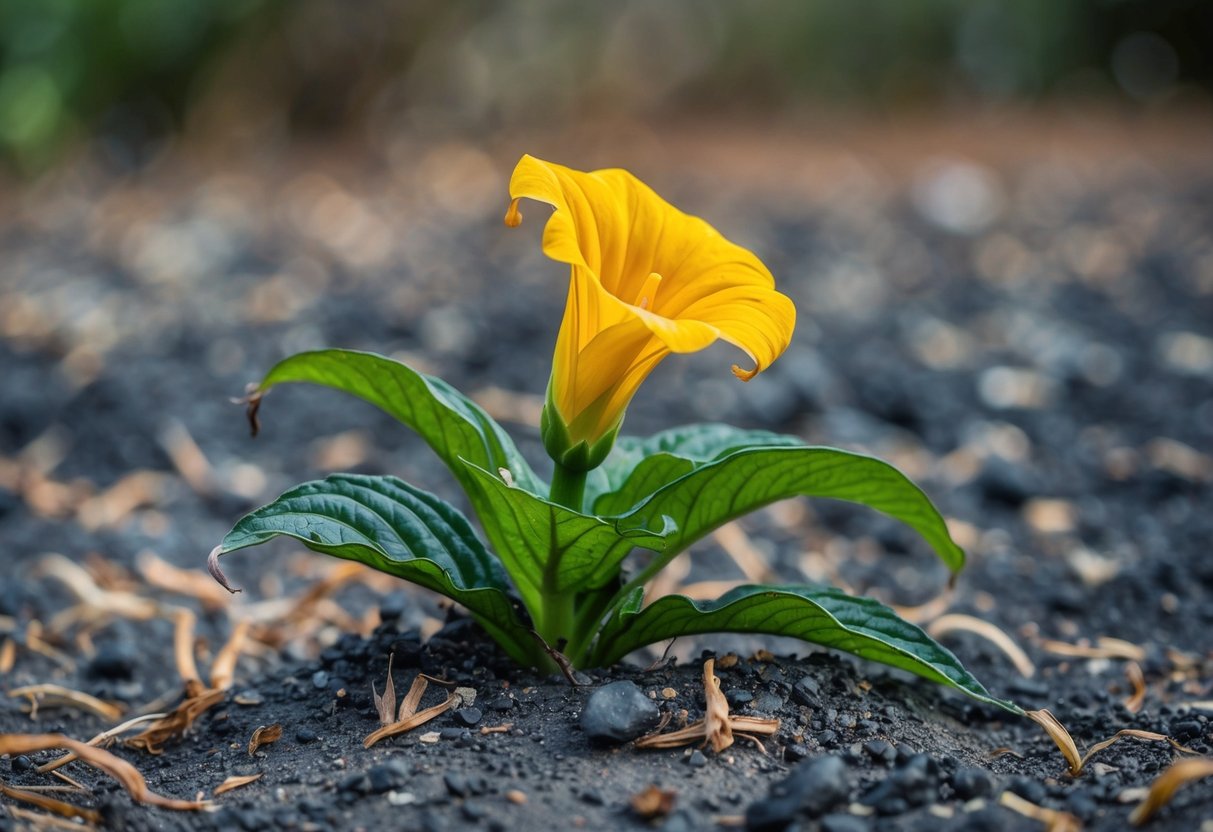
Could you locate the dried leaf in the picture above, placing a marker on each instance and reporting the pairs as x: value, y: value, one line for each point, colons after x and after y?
x: 236, y: 782
x: 412, y: 699
x: 264, y: 735
x: 1138, y: 680
x: 196, y: 702
x: 966, y: 623
x: 50, y: 804
x: 1058, y: 733
x: 1053, y: 820
x: 717, y: 727
x: 119, y: 769
x: 1165, y: 786
x: 653, y: 802
x: 386, y: 705
x: 453, y: 700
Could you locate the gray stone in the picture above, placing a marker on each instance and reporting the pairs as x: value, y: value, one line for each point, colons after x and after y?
x: 617, y: 713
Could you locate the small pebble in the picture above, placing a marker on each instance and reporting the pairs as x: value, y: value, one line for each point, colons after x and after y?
x: 697, y: 759
x: 304, y: 736
x: 468, y: 717
x: 617, y: 713
x: 320, y: 679
x: 21, y: 764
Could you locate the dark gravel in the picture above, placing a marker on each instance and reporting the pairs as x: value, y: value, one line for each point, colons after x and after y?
x: 1034, y: 345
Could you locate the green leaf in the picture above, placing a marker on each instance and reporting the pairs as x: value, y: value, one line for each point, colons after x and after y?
x: 398, y: 529
x: 742, y: 481
x: 550, y: 548
x: 638, y: 467
x: 818, y: 614
x: 452, y: 424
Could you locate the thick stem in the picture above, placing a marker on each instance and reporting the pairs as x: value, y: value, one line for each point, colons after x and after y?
x: 568, y: 487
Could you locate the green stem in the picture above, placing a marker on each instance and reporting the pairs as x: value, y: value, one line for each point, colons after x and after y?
x: 568, y: 487
x: 557, y: 621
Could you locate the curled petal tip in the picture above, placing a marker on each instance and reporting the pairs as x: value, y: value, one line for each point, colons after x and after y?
x: 744, y: 374
x: 513, y: 217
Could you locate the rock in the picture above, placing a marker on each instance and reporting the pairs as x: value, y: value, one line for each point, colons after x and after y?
x: 880, y: 750
x: 697, y: 759
x: 737, y: 698
x: 682, y: 820
x: 617, y: 713
x: 468, y: 717
x: 21, y: 764
x: 502, y: 704
x: 387, y: 776
x: 970, y: 782
x: 913, y: 783
x: 320, y: 679
x: 812, y: 788
x: 807, y: 692
x: 114, y: 660
x: 305, y: 736
x: 392, y: 607
x: 844, y: 823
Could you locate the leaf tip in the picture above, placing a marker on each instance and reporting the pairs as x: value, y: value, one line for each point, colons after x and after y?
x: 212, y: 566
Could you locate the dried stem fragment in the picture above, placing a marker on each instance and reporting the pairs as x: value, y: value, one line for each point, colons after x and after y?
x: 50, y: 804
x: 235, y: 782
x: 197, y: 701
x: 223, y: 668
x: 48, y: 695
x: 183, y: 644
x: 967, y: 623
x: 119, y: 769
x: 717, y: 727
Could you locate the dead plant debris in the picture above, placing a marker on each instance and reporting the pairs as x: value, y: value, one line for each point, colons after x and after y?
x: 1164, y: 787
x: 119, y: 769
x: 236, y: 781
x: 264, y: 735
x: 197, y: 700
x: 50, y: 804
x: 718, y: 727
x: 52, y: 696
x: 1069, y: 749
x: 954, y: 622
x: 1053, y: 820
x: 653, y: 802
x: 394, y: 722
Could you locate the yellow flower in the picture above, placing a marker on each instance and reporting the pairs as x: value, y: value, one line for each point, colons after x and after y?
x: 647, y: 280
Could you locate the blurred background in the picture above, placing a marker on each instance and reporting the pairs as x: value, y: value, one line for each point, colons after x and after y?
x: 127, y: 78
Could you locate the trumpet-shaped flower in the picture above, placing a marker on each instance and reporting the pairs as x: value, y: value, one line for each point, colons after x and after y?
x: 647, y: 280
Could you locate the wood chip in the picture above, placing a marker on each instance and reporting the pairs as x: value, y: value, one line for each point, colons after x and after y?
x: 1167, y: 783
x: 236, y: 782
x: 966, y: 623
x: 430, y: 737
x: 119, y: 769
x: 264, y: 735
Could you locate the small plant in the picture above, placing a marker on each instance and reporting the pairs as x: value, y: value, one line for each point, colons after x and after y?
x: 647, y: 280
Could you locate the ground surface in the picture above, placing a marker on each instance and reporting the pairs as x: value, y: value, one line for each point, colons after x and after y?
x: 1032, y: 341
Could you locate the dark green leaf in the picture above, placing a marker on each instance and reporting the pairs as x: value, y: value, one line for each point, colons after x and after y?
x: 742, y: 481
x: 551, y: 548
x: 452, y: 424
x: 638, y: 467
x: 398, y: 529
x: 821, y: 615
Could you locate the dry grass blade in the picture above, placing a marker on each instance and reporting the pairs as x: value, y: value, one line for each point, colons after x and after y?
x: 235, y: 782
x: 8, y: 655
x: 453, y: 700
x: 1104, y: 648
x: 1167, y: 783
x: 99, y: 739
x: 412, y: 699
x: 1053, y: 820
x: 1058, y: 733
x: 163, y: 575
x: 223, y: 668
x: 183, y: 644
x: 50, y: 804
x: 1138, y: 680
x: 189, y: 460
x: 967, y: 623
x: 196, y: 702
x: 1148, y: 736
x: 38, y: 821
x: 81, y: 584
x: 119, y: 769
x: 113, y: 505
x: 264, y: 735
x: 48, y: 695
x: 385, y: 705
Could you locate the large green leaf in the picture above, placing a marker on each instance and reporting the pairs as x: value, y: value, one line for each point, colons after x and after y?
x: 821, y: 615
x: 638, y: 467
x: 452, y: 424
x: 550, y: 548
x: 744, y: 480
x: 398, y: 529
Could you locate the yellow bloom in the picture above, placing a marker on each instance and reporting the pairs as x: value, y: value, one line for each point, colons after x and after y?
x: 647, y: 280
